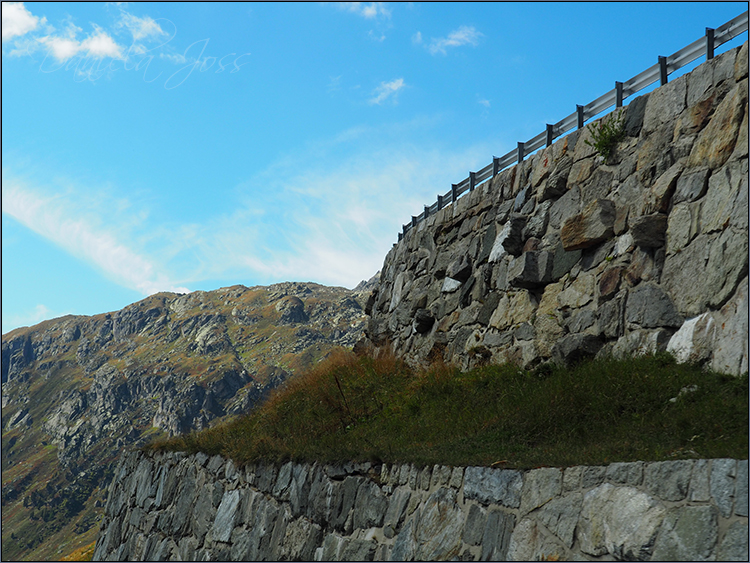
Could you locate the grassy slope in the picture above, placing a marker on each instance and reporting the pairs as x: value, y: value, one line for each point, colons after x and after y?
x: 598, y: 412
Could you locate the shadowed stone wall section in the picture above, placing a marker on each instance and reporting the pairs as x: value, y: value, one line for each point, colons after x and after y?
x: 195, y: 508
x: 565, y: 255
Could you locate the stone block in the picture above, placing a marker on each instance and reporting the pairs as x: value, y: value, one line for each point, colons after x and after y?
x: 357, y: 550
x: 579, y: 293
x: 396, y: 512
x: 441, y: 475
x: 457, y: 477
x: 539, y: 487
x: 557, y: 183
x: 668, y: 480
x: 682, y: 226
x: 649, y: 230
x: 474, y: 525
x: 582, y: 321
x: 493, y: 486
x: 693, y: 342
x: 691, y: 185
x: 716, y: 142
x: 620, y: 521
x: 226, y: 516
x: 665, y: 103
x: 560, y: 516
x: 723, y: 477
x: 370, y: 506
x: 575, y: 347
x: 529, y: 543
x: 439, y: 527
x: 566, y: 207
x: 531, y: 269
x: 641, y: 342
x: 563, y: 261
x: 734, y: 544
x: 512, y: 309
x: 699, y: 491
x: 689, y: 533
x: 740, y: 63
x: 625, y: 473
x: 659, y: 197
x: 450, y: 285
x: 496, y: 538
x: 634, y: 114
x: 649, y: 306
x: 591, y: 476
x: 725, y: 204
x: 725, y: 257
x: 460, y: 268
x: 741, y: 493
x: 594, y: 225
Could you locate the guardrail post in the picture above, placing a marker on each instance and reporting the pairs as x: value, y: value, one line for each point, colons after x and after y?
x: 413, y: 221
x: 709, y: 43
x: 550, y: 133
x: 579, y: 111
x: 406, y: 228
x: 426, y: 211
x: 520, y: 152
x: 495, y: 166
x: 618, y: 94
x: 400, y: 236
x: 663, y: 70
x: 440, y: 202
x: 454, y: 193
x: 472, y: 181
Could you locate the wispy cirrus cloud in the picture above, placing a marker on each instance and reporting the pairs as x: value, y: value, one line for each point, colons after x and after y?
x: 385, y: 90
x: 464, y: 35
x: 56, y: 218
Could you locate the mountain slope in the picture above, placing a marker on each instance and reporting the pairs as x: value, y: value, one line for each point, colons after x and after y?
x: 77, y: 390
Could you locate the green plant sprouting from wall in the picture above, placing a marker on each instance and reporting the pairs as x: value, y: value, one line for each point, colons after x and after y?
x: 605, y: 134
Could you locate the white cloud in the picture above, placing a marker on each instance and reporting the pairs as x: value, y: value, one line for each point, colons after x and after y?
x: 485, y: 103
x: 462, y: 36
x: 386, y: 90
x: 97, y: 45
x: 368, y: 10
x: 416, y: 39
x: 17, y: 20
x: 140, y: 28
x: 29, y: 318
x: 339, y: 216
x: 101, y: 45
x: 58, y: 220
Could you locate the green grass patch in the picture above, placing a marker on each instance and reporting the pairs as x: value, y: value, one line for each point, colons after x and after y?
x: 598, y: 412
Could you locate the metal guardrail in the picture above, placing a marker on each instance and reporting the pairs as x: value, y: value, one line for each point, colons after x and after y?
x: 660, y: 71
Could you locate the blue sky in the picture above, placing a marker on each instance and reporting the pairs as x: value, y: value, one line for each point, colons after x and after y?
x: 192, y: 146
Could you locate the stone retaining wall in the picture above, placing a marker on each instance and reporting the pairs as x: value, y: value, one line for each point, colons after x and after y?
x: 171, y: 506
x: 565, y: 255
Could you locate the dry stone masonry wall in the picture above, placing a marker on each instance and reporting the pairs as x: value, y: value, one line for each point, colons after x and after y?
x: 565, y: 255
x: 175, y: 507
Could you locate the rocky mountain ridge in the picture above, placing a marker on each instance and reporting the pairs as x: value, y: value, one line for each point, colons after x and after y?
x: 77, y: 390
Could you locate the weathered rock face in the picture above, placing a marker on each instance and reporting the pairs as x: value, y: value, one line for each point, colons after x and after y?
x: 174, y: 507
x: 563, y: 256
x: 76, y: 390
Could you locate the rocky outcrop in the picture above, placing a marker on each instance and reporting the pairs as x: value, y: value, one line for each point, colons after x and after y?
x: 565, y: 256
x: 174, y: 507
x: 84, y: 388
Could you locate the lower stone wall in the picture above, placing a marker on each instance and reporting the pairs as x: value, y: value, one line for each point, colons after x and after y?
x: 170, y: 506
